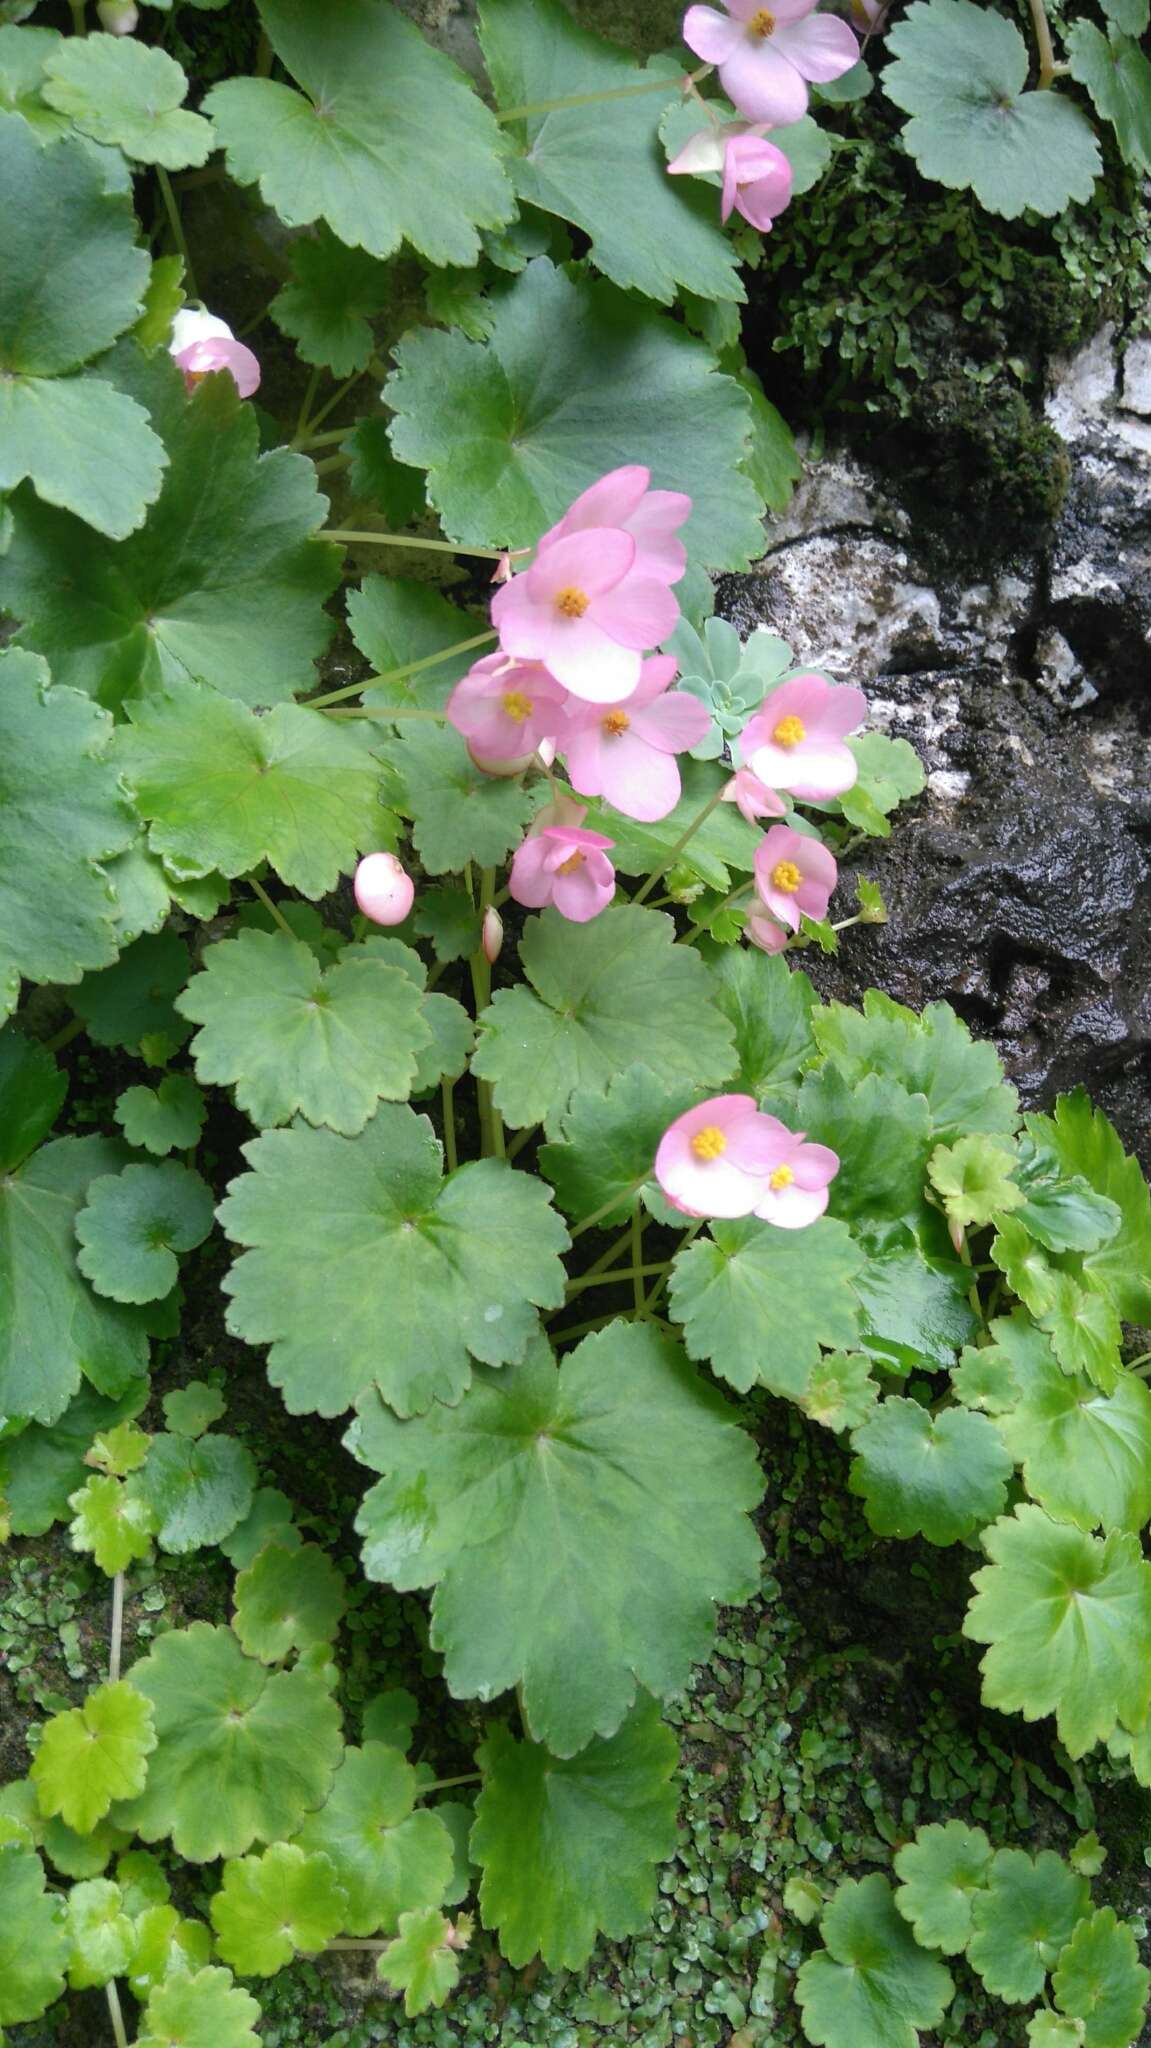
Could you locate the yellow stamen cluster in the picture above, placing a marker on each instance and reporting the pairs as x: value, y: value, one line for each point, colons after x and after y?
x: 572, y: 603
x: 709, y: 1143
x: 615, y: 723
x: 762, y: 24
x: 517, y: 706
x: 781, y: 1178
x: 574, y: 860
x: 786, y: 876
x: 789, y: 731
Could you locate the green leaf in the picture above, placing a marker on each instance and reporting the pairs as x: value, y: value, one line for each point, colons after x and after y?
x: 576, y: 161
x: 1117, y: 75
x: 1131, y: 16
x: 288, y: 1600
x: 23, y: 55
x: 120, y: 1450
x: 355, y: 146
x: 224, y: 583
x: 201, y: 2011
x: 389, y: 1856
x: 512, y: 429
x: 773, y: 461
x: 267, y: 1743
x: 569, y: 1848
x: 1086, y: 1456
x: 41, y: 1467
x: 890, y: 773
x: 1100, y: 1980
x: 130, y: 94
x: 960, y: 71
x: 1062, y: 1212
x: 940, y: 1874
x: 769, y: 1005
x: 165, y: 1946
x: 133, y: 1225
x: 914, y: 1310
x: 93, y: 1755
x: 34, y: 1938
x: 374, y: 474
x: 190, y: 1410
x: 1085, y: 1331
x: 292, y: 1039
x: 724, y: 841
x: 52, y: 1327
x: 882, y: 1136
x: 167, y: 1118
x: 1047, y: 2030
x: 422, y: 1963
x: 269, y: 1520
x: 940, y: 1476
x: 759, y: 1302
x: 111, y: 1523
x: 396, y: 624
x: 132, y: 1001
x: 32, y: 1091
x: 448, y: 917
x: 609, y: 994
x: 495, y: 1503
x: 458, y: 813
x: 328, y: 307
x: 869, y: 1982
x: 1088, y: 1855
x: 985, y: 1380
x: 975, y: 1178
x: 198, y: 1491
x: 609, y: 1144
x: 1084, y: 1142
x: 803, y: 1900
x: 224, y: 789
x: 271, y: 1906
x: 101, y: 1934
x: 391, y: 1718
x: 1022, y: 1920
x: 840, y: 1391
x: 61, y: 811
x: 163, y: 299
x: 429, y: 1273
x: 1068, y: 1621
x: 932, y: 1054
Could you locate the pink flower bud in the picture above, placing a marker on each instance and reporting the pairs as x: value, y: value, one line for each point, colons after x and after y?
x: 383, y: 889
x: 492, y: 936
x: 119, y: 17
x: 498, y: 764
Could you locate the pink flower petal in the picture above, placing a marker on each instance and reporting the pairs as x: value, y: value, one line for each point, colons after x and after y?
x: 586, y: 890
x: 821, y: 48
x: 765, y: 933
x: 608, y: 502
x: 710, y: 34
x: 762, y: 84
x: 529, y: 880
x: 814, y: 1166
x: 641, y: 783
x: 674, y: 722
x: 593, y: 560
x: 383, y: 889
x: 639, y: 612
x: 217, y: 352
x: 595, y: 668
x: 792, y: 1208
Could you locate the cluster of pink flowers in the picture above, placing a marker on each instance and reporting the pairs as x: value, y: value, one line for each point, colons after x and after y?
x: 728, y: 1158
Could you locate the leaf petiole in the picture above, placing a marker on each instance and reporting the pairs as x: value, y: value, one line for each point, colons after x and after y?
x: 587, y: 99
x: 407, y: 540
x: 397, y: 675
x: 670, y: 859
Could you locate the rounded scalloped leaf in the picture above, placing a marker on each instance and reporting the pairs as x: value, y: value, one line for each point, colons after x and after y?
x: 1116, y: 73
x: 939, y: 1475
x: 34, y: 1938
x: 129, y: 94
x: 328, y: 306
x: 198, y: 1490
x: 1086, y: 1456
x: 870, y: 1982
x: 389, y: 1856
x: 167, y: 1118
x: 975, y: 1178
x: 423, y: 1962
x: 840, y: 1392
x: 165, y: 1946
x: 609, y: 1143
x: 759, y: 1303
x: 269, y: 1520
x: 288, y: 1600
x: 130, y: 1003
x: 101, y: 1933
x: 274, y: 1906
x: 268, y: 1744
x: 135, y: 1223
x: 93, y: 1755
x: 930, y: 1054
x: 1100, y: 1981
x: 110, y: 1523
x: 205, y: 2010
x: 32, y: 1091
x: 940, y: 1873
x: 190, y: 1410
x: 1051, y: 2030
x: 1022, y: 1920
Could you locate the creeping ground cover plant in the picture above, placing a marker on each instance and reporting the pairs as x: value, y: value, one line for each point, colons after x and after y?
x: 402, y: 979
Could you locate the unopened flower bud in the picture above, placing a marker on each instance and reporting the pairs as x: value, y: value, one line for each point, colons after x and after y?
x: 383, y: 889
x: 492, y: 935
x: 119, y: 17
x: 501, y: 765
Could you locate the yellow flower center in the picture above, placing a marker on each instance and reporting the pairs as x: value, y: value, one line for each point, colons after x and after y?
x: 615, y: 723
x: 789, y: 731
x: 709, y: 1143
x: 786, y: 876
x: 781, y: 1178
x: 517, y: 706
x: 572, y: 603
x: 762, y: 24
x: 574, y: 860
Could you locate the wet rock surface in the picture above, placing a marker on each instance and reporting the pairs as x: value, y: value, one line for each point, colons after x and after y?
x: 1019, y: 884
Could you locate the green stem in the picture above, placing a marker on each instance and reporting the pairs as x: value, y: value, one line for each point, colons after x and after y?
x: 373, y: 1947
x: 273, y: 909
x: 1141, y: 1365
x: 330, y: 405
x: 638, y: 1269
x: 448, y: 1784
x: 331, y: 462
x: 308, y: 401
x: 589, y: 99
x: 447, y: 1099
x: 64, y: 1036
x: 408, y: 540
x: 79, y: 25
x: 670, y: 859
x: 605, y: 1208
x: 584, y: 1329
x: 693, y: 931
x: 327, y: 439
x: 609, y: 1279
x: 265, y: 57
x: 661, y: 1284
x: 397, y: 675
x: 1043, y: 44
x: 174, y: 222
x: 115, y: 2015
x: 521, y: 1139
x: 116, y: 1643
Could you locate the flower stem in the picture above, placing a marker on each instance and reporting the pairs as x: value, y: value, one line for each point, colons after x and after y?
x: 609, y: 1279
x: 638, y: 1269
x: 588, y: 99
x: 79, y: 25
x: 174, y: 222
x: 64, y: 1036
x: 372, y: 1947
x: 397, y: 675
x: 1043, y: 44
x: 327, y: 439
x: 330, y: 405
x: 669, y: 859
x: 1140, y: 1365
x: 273, y: 909
x: 693, y: 931
x: 115, y: 2015
x: 605, y: 1208
x: 307, y: 403
x: 408, y: 540
x: 661, y: 1283
x: 448, y: 1784
x: 116, y: 1643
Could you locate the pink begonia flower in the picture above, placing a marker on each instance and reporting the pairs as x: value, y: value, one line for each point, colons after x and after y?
x: 795, y: 741
x: 118, y: 17
x: 200, y: 342
x: 794, y: 876
x: 797, y: 1183
x: 626, y: 752
x: 767, y: 55
x: 492, y: 935
x: 623, y: 499
x: 505, y: 708
x: 383, y: 888
x: 757, y: 177
x: 713, y: 1160
x: 763, y: 931
x: 566, y: 867
x: 754, y: 798
x: 584, y: 611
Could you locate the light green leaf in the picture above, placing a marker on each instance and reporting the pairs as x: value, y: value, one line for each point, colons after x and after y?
x: 769, y: 1005
x: 975, y: 1178
x: 190, y: 1410
x: 759, y: 1302
x: 1021, y: 1921
x: 120, y: 1450
x: 165, y: 1945
x: 870, y: 1982
x: 1117, y: 75
x: 422, y: 1963
x: 292, y: 1039
x: 389, y: 1856
x: 940, y: 1476
x: 448, y: 917
x: 131, y: 1001
x: 1100, y: 1980
x: 267, y: 1743
x: 130, y: 94
x: 23, y: 55
x: 1088, y: 1855
x: 724, y: 841
x: 1085, y: 1331
x: 163, y: 299
x: 960, y: 71
x: 93, y: 1755
x: 1131, y: 16
x: 576, y: 161
x: 34, y: 1938
x: 42, y: 1467
x: 328, y: 307
x: 61, y: 812
x: 985, y: 1380
x: 111, y: 1523
x: 940, y: 1874
x: 773, y: 461
x: 882, y: 1136
x: 932, y: 1054
x: 608, y: 994
x: 288, y: 1600
x: 1046, y: 2029
x: 1062, y: 1212
x: 609, y: 1143
x: 198, y: 1491
x: 890, y: 772
x: 840, y: 1391
x: 391, y: 1717
x: 803, y: 1899
x: 133, y: 1225
x: 512, y: 429
x: 167, y: 1118
x: 561, y: 1563
x: 269, y: 1520
x: 429, y: 1273
x: 224, y: 789
x: 101, y: 1934
x: 458, y: 813
x: 32, y: 1091
x: 271, y: 1906
x: 1086, y: 1456
x: 569, y: 1849
x: 204, y: 2010
x: 1068, y: 1621
x: 1084, y: 1142
x: 355, y: 146
x: 395, y: 624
